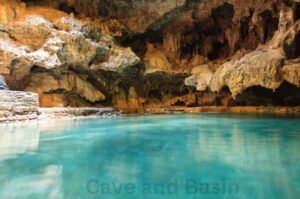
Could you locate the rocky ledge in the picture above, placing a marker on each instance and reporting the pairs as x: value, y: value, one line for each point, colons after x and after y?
x: 18, y: 105
x: 55, y: 113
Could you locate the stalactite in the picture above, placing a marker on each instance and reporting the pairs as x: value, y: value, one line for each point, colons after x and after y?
x: 172, y: 43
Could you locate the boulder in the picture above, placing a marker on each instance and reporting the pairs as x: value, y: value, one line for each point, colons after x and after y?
x: 200, y: 79
x: 259, y: 68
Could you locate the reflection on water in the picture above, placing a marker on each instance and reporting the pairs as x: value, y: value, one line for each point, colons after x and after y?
x: 17, y: 140
x: 177, y: 156
x: 48, y: 182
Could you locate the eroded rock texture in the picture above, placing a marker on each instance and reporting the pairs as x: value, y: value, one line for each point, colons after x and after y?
x: 18, y: 105
x: 138, y: 53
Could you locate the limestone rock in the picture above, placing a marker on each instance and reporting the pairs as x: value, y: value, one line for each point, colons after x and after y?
x: 291, y: 73
x: 157, y: 60
x: 265, y: 66
x: 18, y: 105
x: 56, y: 48
x: 118, y: 60
x: 261, y: 67
x: 44, y: 85
x: 201, y: 78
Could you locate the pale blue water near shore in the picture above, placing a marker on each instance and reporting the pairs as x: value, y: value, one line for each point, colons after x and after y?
x: 234, y: 156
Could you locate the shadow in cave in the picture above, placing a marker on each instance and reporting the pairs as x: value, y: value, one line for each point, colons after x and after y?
x: 68, y: 9
x: 297, y: 12
x: 292, y: 50
x: 270, y: 24
x: 286, y: 95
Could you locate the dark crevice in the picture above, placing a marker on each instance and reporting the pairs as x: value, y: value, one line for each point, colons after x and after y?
x: 179, y: 103
x: 155, y: 94
x: 67, y: 9
x: 244, y: 26
x: 297, y: 12
x: 286, y: 95
x: 38, y: 69
x: 270, y: 24
x: 292, y: 50
x: 220, y: 50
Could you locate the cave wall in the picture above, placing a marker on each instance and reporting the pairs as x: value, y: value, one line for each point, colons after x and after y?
x: 130, y: 54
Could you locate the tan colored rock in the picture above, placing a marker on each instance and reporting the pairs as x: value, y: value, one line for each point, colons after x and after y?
x: 118, y: 60
x: 264, y: 66
x: 76, y: 50
x: 201, y: 78
x: 156, y: 60
x: 45, y: 85
x: 34, y: 40
x: 261, y: 67
x: 52, y: 48
x: 291, y: 73
x: 13, y: 60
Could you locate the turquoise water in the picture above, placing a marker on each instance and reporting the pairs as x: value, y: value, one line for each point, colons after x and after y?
x: 167, y: 156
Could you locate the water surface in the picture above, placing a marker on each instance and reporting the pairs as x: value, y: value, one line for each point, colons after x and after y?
x: 165, y: 156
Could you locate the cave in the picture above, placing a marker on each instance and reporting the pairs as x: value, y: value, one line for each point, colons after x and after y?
x: 202, y: 34
x: 286, y: 95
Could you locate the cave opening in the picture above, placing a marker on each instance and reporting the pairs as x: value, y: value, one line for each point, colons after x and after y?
x: 179, y: 103
x: 67, y: 9
x: 270, y: 24
x: 286, y: 95
x: 297, y: 12
x: 223, y: 12
x: 292, y: 50
x: 220, y: 50
x: 155, y: 94
x: 138, y: 42
x: 245, y: 25
x: 244, y: 29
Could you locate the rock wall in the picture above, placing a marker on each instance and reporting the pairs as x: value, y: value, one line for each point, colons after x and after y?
x: 17, y: 105
x: 132, y: 55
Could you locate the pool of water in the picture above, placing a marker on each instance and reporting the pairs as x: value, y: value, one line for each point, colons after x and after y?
x: 164, y: 156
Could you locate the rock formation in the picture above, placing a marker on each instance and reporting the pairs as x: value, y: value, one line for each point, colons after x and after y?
x: 132, y: 55
x: 17, y: 105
